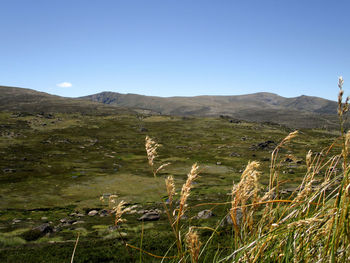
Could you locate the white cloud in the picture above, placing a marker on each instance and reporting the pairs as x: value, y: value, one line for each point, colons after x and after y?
x: 64, y: 85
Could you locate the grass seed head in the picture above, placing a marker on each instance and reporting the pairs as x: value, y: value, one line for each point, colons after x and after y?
x: 193, y: 244
x: 151, y: 149
x: 186, y: 188
x: 170, y: 187
x: 119, y: 211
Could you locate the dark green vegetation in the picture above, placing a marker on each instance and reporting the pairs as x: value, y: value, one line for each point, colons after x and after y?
x: 55, y: 164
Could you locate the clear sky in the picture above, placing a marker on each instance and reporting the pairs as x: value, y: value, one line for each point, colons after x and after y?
x: 176, y: 47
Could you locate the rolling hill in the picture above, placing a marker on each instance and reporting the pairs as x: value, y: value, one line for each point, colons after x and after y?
x: 31, y: 101
x: 300, y: 112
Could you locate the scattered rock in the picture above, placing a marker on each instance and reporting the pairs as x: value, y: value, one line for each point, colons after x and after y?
x: 183, y: 217
x: 103, y: 213
x: 133, y: 207
x: 9, y: 170
x: 264, y: 145
x: 150, y: 216
x: 228, y: 219
x: 234, y: 154
x: 15, y: 221
x: 93, y: 213
x: 78, y: 222
x: 63, y: 220
x: 205, y: 214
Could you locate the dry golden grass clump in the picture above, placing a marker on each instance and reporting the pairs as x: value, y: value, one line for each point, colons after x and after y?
x: 194, y: 245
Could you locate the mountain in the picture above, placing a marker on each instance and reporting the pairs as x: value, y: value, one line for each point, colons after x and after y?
x: 300, y: 112
x: 31, y: 101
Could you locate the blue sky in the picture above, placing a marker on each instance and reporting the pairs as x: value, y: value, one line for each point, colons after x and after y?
x: 175, y: 48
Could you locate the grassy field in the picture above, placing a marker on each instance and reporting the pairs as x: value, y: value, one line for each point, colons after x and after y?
x: 54, y: 165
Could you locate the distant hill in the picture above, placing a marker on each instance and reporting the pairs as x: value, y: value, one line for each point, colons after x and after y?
x: 31, y: 101
x: 301, y: 112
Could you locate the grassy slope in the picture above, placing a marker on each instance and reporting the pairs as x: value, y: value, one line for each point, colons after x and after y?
x: 67, y: 161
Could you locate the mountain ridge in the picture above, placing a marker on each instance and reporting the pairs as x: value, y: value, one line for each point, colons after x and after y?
x: 298, y: 112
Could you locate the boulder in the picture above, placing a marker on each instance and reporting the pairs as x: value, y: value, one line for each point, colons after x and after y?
x: 93, y: 213
x: 37, y: 232
x: 205, y: 214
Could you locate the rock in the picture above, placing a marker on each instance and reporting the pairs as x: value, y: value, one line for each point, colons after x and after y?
x: 264, y: 145
x: 228, y: 218
x: 9, y: 170
x: 103, y: 213
x: 15, y: 221
x: 63, y: 220
x: 67, y: 221
x: 290, y: 171
x: 78, y: 222
x: 288, y: 160
x: 143, y: 129
x: 234, y: 154
x: 44, y: 228
x: 150, y: 216
x: 93, y: 213
x: 205, y: 214
x: 291, y: 189
x: 37, y: 232
x: 44, y: 218
x: 183, y: 217
x: 218, y: 163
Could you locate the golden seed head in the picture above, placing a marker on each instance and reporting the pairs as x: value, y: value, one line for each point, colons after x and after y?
x: 193, y: 244
x: 309, y: 159
x: 151, y: 149
x: 170, y: 187
x: 186, y: 188
x: 119, y: 211
x: 290, y: 136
